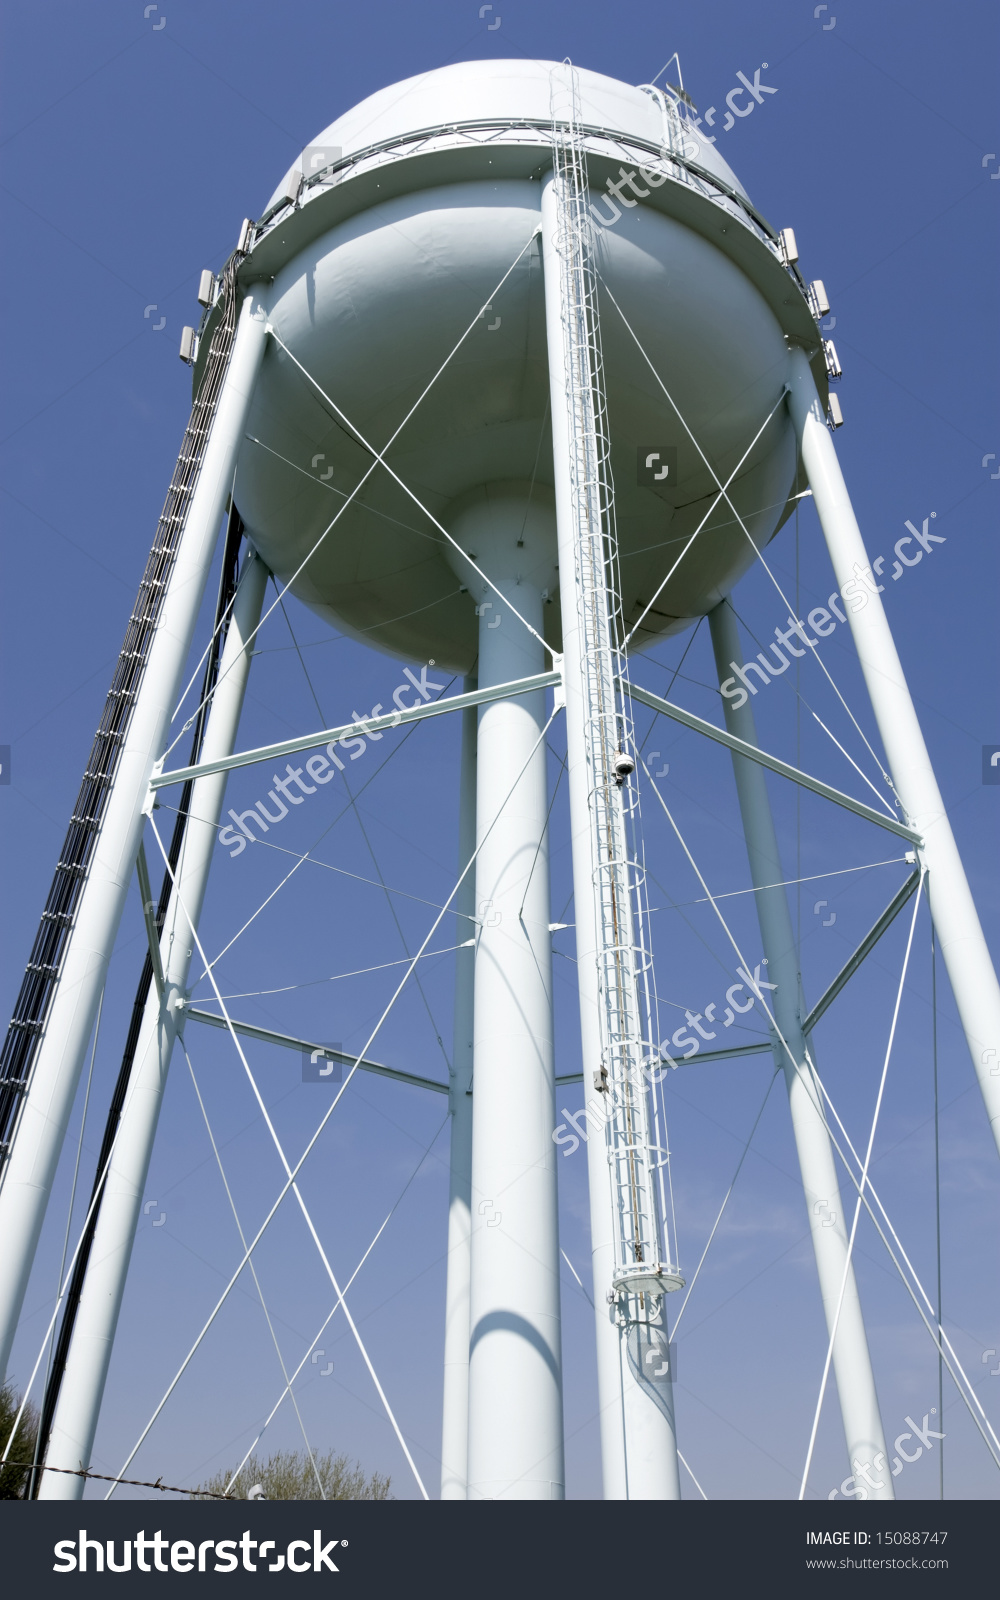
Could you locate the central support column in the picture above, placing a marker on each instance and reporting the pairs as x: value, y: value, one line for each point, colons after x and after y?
x: 824, y: 1207
x: 455, y: 1403
x: 515, y: 1363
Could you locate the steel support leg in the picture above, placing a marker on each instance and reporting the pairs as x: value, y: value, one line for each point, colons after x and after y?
x: 455, y: 1418
x: 824, y: 1207
x: 48, y: 1103
x: 515, y: 1361
x: 75, y: 1422
x: 970, y: 971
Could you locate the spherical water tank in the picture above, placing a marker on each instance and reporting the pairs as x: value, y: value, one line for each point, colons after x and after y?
x: 420, y: 207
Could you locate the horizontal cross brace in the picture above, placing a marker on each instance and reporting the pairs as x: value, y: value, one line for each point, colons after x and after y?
x: 248, y: 1031
x: 868, y: 943
x: 730, y: 1054
x: 782, y: 768
x: 394, y: 719
x: 703, y: 1055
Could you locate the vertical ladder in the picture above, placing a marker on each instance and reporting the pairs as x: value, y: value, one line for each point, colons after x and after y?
x: 641, y: 1263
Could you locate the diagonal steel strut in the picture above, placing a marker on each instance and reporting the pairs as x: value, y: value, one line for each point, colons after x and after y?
x: 783, y: 768
x: 867, y: 944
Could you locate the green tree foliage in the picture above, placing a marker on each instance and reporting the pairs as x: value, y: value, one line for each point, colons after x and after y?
x: 13, y: 1480
x: 289, y: 1475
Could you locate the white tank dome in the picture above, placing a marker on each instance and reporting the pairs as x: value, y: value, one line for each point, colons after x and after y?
x: 419, y: 202
x: 479, y: 90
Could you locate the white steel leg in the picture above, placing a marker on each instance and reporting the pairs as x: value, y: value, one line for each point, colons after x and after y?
x: 75, y: 1421
x: 967, y: 958
x: 515, y: 1361
x: 44, y: 1116
x: 455, y: 1420
x: 824, y: 1207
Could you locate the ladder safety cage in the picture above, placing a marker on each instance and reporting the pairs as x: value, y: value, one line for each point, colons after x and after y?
x: 630, y: 1066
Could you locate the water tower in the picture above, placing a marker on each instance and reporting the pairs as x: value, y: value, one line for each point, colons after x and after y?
x: 510, y: 378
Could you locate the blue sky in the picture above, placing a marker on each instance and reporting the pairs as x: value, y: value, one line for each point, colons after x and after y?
x: 130, y: 156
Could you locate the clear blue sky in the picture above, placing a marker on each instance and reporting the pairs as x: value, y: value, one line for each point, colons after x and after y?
x: 130, y: 156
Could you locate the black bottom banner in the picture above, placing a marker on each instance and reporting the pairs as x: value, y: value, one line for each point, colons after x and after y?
x: 496, y: 1549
